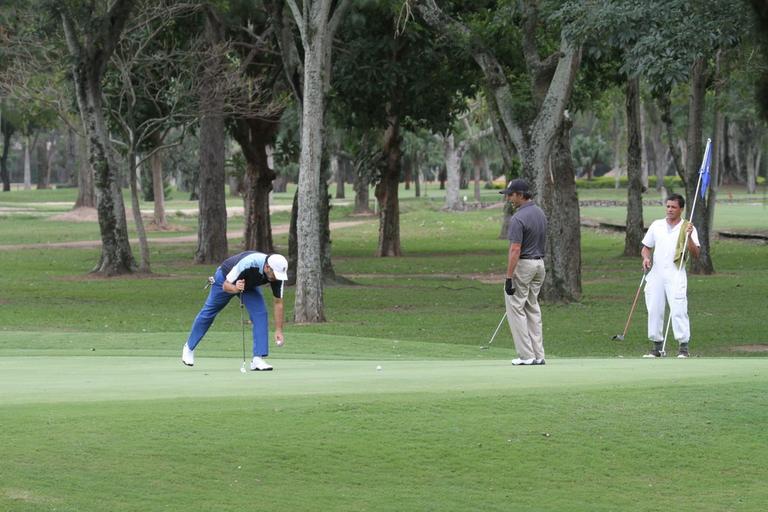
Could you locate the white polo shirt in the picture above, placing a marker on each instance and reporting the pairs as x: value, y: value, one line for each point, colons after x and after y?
x: 662, y: 238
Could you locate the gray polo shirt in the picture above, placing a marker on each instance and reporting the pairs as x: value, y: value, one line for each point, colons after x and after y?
x: 528, y: 227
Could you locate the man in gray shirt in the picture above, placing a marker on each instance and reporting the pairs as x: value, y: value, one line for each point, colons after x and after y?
x: 525, y: 273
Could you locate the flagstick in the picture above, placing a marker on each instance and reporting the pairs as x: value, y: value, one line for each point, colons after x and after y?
x: 682, y: 255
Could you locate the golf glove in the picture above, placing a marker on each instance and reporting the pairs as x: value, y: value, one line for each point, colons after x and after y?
x: 508, y: 286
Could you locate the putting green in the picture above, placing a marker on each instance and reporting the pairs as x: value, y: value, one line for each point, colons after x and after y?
x: 45, y: 379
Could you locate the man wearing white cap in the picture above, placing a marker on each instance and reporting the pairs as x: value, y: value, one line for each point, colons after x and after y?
x: 243, y: 274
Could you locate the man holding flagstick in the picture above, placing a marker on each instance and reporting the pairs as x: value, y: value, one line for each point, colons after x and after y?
x: 667, y: 282
x: 664, y: 253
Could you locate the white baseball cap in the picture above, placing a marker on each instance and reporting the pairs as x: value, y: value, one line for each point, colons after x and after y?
x: 279, y: 266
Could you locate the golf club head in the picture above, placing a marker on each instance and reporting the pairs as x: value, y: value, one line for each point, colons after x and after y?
x: 618, y: 337
x: 483, y: 347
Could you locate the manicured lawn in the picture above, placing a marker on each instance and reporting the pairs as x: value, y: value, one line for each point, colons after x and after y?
x: 146, y: 433
x: 98, y: 413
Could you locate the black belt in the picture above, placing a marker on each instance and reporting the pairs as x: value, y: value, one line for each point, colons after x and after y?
x: 531, y: 257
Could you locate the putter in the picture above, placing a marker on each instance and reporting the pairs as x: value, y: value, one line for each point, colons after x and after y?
x: 486, y: 347
x: 242, y: 324
x: 620, y: 337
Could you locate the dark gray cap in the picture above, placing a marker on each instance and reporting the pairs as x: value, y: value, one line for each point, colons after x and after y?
x: 516, y: 185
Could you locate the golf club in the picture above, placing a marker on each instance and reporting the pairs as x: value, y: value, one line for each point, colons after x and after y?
x: 620, y: 337
x: 242, y: 324
x: 486, y: 347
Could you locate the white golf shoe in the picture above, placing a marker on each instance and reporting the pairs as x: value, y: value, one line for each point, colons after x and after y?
x: 260, y: 365
x: 523, y: 362
x: 187, y: 356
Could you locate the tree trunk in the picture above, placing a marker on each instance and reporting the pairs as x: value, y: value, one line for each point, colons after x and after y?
x: 701, y: 213
x: 616, y: 125
x: 212, y: 220
x: 563, y: 257
x: 133, y: 178
x: 730, y: 148
x: 309, y: 305
x: 116, y: 256
x: 635, y: 230
x: 158, y: 186
x: 752, y: 136
x: 643, y: 151
x: 326, y: 262
x: 293, y: 244
x: 478, y: 164
x: 657, y: 152
x: 317, y: 22
x: 40, y: 164
x: 407, y: 171
x: 417, y: 179
x: 721, y: 121
x: 337, y: 170
x: 68, y: 171
x: 86, y: 192
x: 255, y: 136
x: 665, y: 106
x: 754, y: 155
x: 452, y: 155
x: 89, y: 63
x: 7, y: 131
x: 362, y: 192
x: 387, y: 192
x: 27, y: 162
x: 50, y: 152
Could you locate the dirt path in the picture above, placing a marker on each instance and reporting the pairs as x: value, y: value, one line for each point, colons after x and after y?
x: 279, y: 230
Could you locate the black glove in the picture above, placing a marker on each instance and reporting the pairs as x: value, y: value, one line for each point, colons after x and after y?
x: 508, y: 286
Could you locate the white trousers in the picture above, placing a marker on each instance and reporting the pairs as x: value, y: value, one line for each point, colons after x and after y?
x: 523, y: 311
x: 670, y: 286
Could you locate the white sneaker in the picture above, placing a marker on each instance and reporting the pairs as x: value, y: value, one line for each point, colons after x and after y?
x: 522, y: 362
x: 188, y: 356
x: 260, y: 365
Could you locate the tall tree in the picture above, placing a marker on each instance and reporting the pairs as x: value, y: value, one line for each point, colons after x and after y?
x: 255, y: 129
x: 151, y: 92
x: 387, y: 95
x: 35, y: 71
x: 7, y: 128
x: 606, y: 51
x: 675, y: 46
x: 317, y: 22
x: 530, y: 114
x: 92, y: 36
x: 212, y: 223
x: 635, y: 230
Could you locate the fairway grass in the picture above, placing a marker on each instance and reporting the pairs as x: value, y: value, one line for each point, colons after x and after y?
x: 97, y: 413
x: 128, y: 433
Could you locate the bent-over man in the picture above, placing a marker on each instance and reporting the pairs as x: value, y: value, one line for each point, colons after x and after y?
x: 243, y: 274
